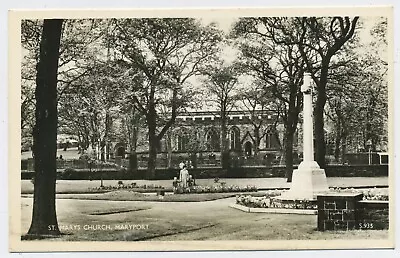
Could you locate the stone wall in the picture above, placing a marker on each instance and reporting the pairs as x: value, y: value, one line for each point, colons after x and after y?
x: 337, y: 211
x: 347, y: 211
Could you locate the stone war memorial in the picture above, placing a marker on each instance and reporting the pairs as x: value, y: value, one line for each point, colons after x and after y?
x: 309, y: 179
x: 189, y: 130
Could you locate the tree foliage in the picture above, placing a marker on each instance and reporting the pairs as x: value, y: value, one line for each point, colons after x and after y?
x: 279, y: 67
x: 221, y: 85
x: 166, y: 52
x: 357, y: 96
x: 318, y: 40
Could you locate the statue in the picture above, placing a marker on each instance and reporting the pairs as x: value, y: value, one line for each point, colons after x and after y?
x: 184, y: 176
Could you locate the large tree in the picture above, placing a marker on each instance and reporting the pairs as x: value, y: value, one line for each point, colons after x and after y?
x: 133, y: 119
x: 79, y: 51
x: 318, y: 41
x: 357, y: 95
x: 87, y: 74
x: 90, y: 105
x: 44, y: 218
x: 221, y: 84
x: 324, y: 38
x: 279, y: 67
x: 167, y: 52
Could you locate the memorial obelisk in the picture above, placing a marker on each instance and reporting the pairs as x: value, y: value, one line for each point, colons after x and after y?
x: 309, y: 179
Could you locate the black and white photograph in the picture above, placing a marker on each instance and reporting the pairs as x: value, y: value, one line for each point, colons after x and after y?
x: 222, y: 129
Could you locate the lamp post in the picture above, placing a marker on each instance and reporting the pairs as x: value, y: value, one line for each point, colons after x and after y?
x: 369, y: 145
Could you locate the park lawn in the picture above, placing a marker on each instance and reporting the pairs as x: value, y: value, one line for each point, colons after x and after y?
x: 126, y: 195
x: 76, y: 214
x: 212, y: 220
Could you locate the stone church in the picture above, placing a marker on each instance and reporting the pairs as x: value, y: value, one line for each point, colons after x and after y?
x: 255, y: 137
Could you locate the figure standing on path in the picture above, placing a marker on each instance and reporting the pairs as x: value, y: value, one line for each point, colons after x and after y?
x: 184, y: 176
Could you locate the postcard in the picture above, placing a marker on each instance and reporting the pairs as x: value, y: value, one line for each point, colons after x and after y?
x: 201, y: 129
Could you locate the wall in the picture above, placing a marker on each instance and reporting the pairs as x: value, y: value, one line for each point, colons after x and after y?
x: 347, y: 211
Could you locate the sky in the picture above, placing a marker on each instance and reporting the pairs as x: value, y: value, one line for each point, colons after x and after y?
x: 230, y: 53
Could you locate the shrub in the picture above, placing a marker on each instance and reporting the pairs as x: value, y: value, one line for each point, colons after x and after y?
x: 84, y: 156
x: 161, y: 192
x: 68, y: 173
x: 123, y: 170
x: 215, y: 189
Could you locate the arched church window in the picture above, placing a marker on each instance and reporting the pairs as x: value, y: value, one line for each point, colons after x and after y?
x: 182, y: 141
x: 270, y: 141
x: 235, y: 138
x: 212, y: 140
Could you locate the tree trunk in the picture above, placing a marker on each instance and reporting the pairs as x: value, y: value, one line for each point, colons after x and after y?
x: 344, y: 149
x: 288, y: 146
x: 44, y: 218
x: 338, y: 141
x: 319, y: 132
x: 105, y: 138
x: 151, y: 165
x: 257, y: 140
x: 133, y: 162
x: 290, y: 129
x: 169, y: 149
x: 133, y: 138
x: 225, y: 162
x: 153, y: 143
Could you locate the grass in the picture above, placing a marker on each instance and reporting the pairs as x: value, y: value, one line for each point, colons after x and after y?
x: 70, y: 153
x: 116, y: 211
x: 126, y: 195
x: 212, y: 220
x: 180, y: 217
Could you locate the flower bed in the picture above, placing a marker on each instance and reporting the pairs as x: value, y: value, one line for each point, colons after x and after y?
x: 376, y: 194
x: 132, y: 186
x: 267, y: 201
x: 217, y: 188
